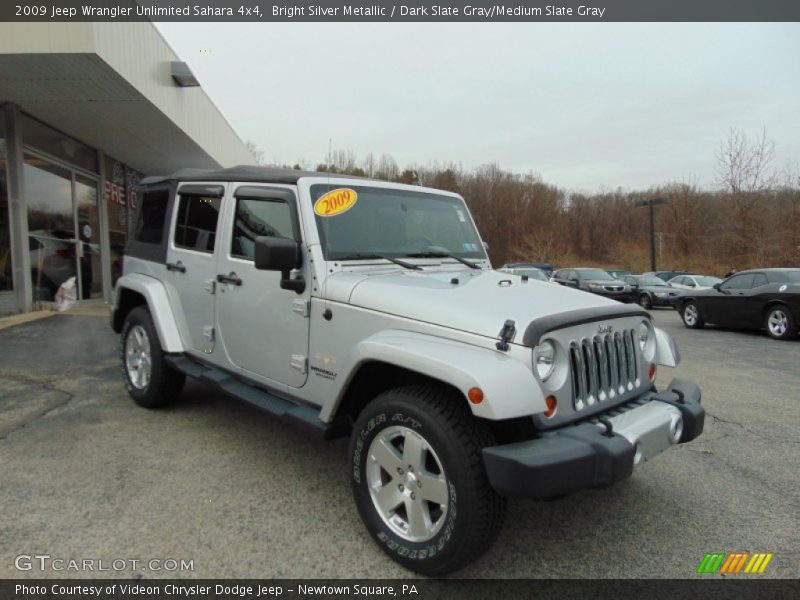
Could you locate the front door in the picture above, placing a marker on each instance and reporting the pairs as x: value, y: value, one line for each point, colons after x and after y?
x: 264, y: 328
x: 63, y: 229
x: 728, y: 303
x: 191, y: 264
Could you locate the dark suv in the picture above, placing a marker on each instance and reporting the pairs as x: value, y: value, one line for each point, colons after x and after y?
x: 596, y: 281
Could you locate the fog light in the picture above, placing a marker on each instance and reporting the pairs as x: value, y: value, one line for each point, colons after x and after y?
x: 676, y: 428
x: 651, y: 372
x: 551, y: 406
x: 475, y: 395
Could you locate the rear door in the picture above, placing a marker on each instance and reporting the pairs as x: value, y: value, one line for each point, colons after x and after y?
x: 263, y: 327
x: 191, y: 263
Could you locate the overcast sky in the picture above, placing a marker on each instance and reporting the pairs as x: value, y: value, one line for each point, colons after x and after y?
x: 587, y: 106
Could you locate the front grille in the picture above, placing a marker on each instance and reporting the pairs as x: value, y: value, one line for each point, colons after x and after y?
x: 613, y: 288
x: 603, y: 367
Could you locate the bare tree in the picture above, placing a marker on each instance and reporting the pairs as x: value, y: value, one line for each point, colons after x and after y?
x: 256, y: 152
x: 743, y: 165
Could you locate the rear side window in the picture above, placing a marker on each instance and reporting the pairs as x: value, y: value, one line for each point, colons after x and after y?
x: 196, y: 225
x: 152, y: 216
x: 255, y: 218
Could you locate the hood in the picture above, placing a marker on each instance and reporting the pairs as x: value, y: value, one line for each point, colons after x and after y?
x: 468, y: 300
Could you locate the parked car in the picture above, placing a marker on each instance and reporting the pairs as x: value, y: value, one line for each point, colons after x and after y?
x: 529, y: 272
x: 618, y: 273
x: 667, y: 275
x: 368, y: 309
x: 694, y: 282
x: 547, y: 268
x: 650, y: 290
x: 756, y: 299
x: 596, y: 281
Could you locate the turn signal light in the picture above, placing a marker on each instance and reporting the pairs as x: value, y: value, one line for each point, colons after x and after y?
x: 475, y: 395
x: 651, y: 372
x: 551, y: 406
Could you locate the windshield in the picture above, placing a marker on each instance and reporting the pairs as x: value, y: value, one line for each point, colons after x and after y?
x: 532, y: 273
x: 650, y: 280
x: 709, y: 281
x: 369, y: 221
x: 595, y: 274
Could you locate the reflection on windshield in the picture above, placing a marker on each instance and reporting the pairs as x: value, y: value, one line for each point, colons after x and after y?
x: 707, y: 280
x: 396, y: 223
x: 595, y: 274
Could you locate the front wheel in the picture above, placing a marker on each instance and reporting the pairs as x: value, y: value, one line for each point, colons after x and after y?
x: 645, y: 302
x: 691, y: 316
x: 780, y: 324
x: 419, y: 481
x: 148, y: 378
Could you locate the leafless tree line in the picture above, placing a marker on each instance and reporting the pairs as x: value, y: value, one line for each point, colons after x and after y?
x: 752, y: 219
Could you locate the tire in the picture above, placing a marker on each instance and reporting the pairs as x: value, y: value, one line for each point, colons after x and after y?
x: 779, y: 323
x: 691, y: 316
x: 645, y: 302
x: 461, y: 513
x: 158, y: 386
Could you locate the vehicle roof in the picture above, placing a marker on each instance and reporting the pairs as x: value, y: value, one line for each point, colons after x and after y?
x: 768, y: 270
x: 250, y: 173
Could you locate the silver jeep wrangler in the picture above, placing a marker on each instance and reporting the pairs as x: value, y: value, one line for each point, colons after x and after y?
x: 348, y: 306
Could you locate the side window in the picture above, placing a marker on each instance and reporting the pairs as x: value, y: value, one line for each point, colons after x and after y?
x: 152, y: 217
x: 573, y: 275
x: 196, y: 225
x: 255, y: 218
x: 759, y: 279
x: 738, y: 282
x: 688, y: 281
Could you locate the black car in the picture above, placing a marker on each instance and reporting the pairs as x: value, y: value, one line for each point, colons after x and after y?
x: 650, y: 290
x: 756, y: 299
x: 596, y: 281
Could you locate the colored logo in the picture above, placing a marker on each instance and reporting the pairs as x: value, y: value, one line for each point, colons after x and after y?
x: 335, y: 202
x: 734, y: 563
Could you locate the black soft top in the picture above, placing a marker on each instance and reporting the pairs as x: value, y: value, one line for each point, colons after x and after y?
x: 249, y: 173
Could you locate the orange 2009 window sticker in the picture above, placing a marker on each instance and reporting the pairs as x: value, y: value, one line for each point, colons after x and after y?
x: 335, y: 202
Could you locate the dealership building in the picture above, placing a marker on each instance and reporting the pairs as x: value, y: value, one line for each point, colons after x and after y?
x: 88, y: 109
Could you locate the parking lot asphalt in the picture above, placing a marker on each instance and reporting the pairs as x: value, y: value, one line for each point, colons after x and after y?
x: 84, y: 473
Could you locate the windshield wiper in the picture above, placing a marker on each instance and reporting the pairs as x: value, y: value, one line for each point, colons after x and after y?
x: 359, y: 256
x: 471, y: 265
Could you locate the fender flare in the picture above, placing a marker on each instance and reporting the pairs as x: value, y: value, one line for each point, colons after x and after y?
x: 155, y: 294
x: 510, y: 389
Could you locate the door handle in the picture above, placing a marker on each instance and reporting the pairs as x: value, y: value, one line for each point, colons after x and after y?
x: 232, y: 278
x: 178, y: 266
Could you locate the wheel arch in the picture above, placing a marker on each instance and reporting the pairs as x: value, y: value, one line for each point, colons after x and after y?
x: 137, y: 290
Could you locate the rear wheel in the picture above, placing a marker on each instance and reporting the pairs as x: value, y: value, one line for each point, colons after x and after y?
x: 419, y: 481
x: 780, y: 323
x: 148, y: 378
x: 691, y: 316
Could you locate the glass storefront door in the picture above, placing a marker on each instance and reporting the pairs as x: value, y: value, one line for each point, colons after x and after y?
x: 63, y: 229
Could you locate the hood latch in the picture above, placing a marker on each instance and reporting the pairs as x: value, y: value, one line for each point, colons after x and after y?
x: 506, y: 335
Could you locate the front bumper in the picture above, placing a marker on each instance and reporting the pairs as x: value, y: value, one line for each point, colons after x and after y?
x: 590, y: 454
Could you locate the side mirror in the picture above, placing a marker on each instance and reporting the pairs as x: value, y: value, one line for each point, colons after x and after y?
x: 280, y: 254
x: 716, y: 286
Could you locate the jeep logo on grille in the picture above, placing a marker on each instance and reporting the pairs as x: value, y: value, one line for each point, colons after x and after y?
x: 605, y: 329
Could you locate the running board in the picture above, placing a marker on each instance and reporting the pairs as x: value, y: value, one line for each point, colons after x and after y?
x: 303, y: 417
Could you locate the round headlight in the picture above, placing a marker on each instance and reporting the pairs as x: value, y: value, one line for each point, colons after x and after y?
x: 544, y: 359
x: 646, y: 338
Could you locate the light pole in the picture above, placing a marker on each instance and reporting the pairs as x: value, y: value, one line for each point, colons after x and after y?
x: 650, y: 204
